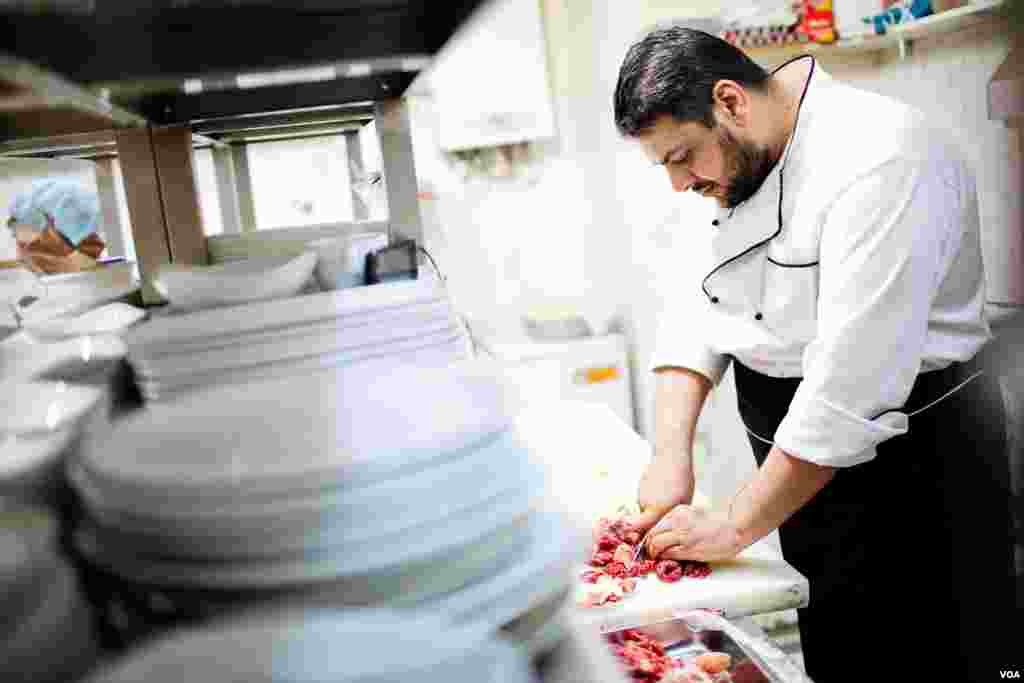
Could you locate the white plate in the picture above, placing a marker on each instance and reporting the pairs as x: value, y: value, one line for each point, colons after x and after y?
x: 318, y: 645
x: 23, y: 359
x: 343, y: 427
x: 71, y: 293
x: 543, y: 571
x: 393, y: 317
x: 427, y: 353
x: 166, y: 332
x: 482, y: 470
x: 191, y: 288
x: 332, y: 341
x: 429, y: 549
x: 109, y: 319
x: 39, y: 408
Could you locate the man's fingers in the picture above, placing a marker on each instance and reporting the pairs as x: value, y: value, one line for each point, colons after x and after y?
x: 645, y: 519
x: 677, y: 552
x: 659, y: 542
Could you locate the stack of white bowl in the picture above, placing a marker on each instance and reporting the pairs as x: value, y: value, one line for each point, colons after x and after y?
x: 363, y: 485
x: 46, y: 629
x: 382, y: 325
x: 318, y: 645
x: 41, y: 424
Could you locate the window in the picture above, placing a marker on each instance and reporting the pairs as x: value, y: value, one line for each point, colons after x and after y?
x: 300, y: 182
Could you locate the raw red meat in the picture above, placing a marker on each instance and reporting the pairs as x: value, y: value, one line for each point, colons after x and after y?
x: 612, y: 555
x: 644, y: 657
x: 669, y: 570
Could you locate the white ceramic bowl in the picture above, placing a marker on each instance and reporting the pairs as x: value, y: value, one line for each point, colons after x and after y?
x: 333, y: 269
x: 42, y: 408
x: 70, y: 293
x: 190, y: 288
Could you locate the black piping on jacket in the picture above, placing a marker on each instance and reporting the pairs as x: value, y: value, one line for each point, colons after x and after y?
x: 782, y: 167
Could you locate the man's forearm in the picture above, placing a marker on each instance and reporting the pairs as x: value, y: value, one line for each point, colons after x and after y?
x: 679, y: 396
x: 781, y: 486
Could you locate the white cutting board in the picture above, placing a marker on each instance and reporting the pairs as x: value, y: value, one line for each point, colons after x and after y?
x: 595, y: 462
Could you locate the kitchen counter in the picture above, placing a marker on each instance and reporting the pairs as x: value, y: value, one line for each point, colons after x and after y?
x: 595, y: 463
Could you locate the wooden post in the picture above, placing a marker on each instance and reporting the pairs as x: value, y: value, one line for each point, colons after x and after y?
x: 156, y: 164
x: 142, y: 193
x: 404, y: 221
x: 182, y: 215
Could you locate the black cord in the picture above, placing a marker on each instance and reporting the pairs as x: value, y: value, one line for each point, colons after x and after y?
x: 465, y: 322
x: 432, y: 263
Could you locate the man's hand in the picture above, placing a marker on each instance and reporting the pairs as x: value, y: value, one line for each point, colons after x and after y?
x: 666, y: 483
x: 693, y: 533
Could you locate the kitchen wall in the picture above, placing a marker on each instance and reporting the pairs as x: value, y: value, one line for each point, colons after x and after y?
x: 597, y: 227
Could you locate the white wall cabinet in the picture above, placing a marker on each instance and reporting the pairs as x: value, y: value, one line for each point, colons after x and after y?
x: 490, y: 84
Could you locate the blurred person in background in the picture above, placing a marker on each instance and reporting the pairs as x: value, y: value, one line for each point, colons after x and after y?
x: 54, y: 224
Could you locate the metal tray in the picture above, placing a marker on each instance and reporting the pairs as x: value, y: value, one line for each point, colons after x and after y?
x: 696, y: 633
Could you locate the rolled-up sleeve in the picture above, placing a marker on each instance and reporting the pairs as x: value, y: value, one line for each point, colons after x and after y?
x: 680, y: 343
x: 885, y: 246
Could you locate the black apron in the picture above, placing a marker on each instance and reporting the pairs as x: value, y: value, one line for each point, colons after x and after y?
x: 909, y: 555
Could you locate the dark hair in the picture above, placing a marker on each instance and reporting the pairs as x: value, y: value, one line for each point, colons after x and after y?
x: 673, y: 71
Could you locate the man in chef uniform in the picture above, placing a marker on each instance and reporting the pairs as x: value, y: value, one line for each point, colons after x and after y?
x: 846, y: 289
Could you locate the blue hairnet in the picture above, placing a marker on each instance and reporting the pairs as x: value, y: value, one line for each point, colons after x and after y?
x: 75, y: 209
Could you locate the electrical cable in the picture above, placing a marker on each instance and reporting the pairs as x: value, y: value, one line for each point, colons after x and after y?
x: 465, y: 322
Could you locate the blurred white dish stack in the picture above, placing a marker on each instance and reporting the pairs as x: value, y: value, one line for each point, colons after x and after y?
x: 316, y: 645
x: 403, y: 486
x: 67, y: 293
x: 40, y: 427
x: 191, y: 288
x: 46, y: 630
x: 341, y: 261
x: 110, y: 319
x: 382, y: 325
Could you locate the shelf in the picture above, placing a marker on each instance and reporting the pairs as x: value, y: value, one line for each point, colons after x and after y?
x: 898, y: 37
x: 186, y: 61
x: 36, y: 102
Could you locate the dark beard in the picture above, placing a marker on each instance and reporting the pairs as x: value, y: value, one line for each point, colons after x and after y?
x: 750, y: 165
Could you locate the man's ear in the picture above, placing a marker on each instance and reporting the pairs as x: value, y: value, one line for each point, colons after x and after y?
x: 733, y: 102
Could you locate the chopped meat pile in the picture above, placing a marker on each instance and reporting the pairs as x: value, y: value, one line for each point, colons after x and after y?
x: 614, y: 572
x: 644, y: 657
x: 646, y: 661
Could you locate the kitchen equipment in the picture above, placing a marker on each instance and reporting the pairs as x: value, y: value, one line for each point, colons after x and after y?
x: 391, y: 263
x: 190, y: 288
x: 689, y: 634
x: 593, y: 369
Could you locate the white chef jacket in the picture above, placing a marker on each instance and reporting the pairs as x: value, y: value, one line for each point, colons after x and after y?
x: 869, y: 273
